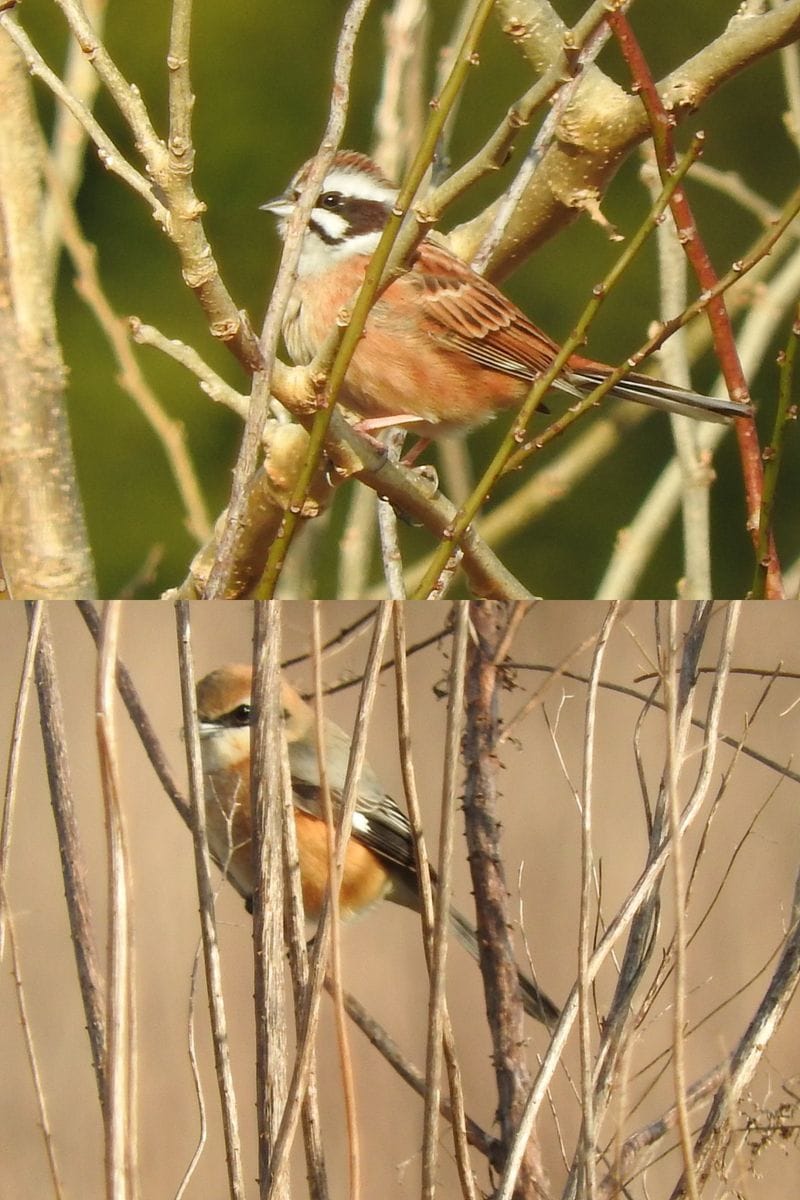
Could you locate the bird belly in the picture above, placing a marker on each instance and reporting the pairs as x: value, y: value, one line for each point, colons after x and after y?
x: 364, y: 882
x: 399, y: 369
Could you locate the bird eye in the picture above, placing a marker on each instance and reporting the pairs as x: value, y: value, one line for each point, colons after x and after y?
x: 241, y: 715
x: 331, y: 200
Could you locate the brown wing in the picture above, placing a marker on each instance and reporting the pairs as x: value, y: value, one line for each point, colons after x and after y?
x: 467, y: 312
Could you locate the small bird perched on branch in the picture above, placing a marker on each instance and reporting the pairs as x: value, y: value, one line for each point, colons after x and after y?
x: 442, y: 349
x: 379, y: 861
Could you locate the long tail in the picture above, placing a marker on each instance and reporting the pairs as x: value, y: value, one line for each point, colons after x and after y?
x: 661, y: 395
x: 535, y: 1002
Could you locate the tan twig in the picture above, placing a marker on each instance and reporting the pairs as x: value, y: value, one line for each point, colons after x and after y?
x: 455, y: 1112
x: 438, y: 1020
x: 642, y: 1147
x: 284, y: 282
x: 171, y: 434
x: 266, y: 772
x: 400, y: 112
x: 689, y: 436
x: 107, y: 152
x: 357, y: 544
x: 73, y: 866
x: 295, y: 927
x: 677, y: 728
x: 588, y: 1165
x: 391, y: 557
x: 626, y: 913
x: 36, y: 614
x: 69, y: 138
x: 335, y: 970
x: 202, y: 1135
x: 318, y: 972
x: 33, y: 1061
x: 141, y: 721
x: 219, y: 1030
x: 120, y: 1103
x: 383, y: 1043
x: 748, y: 1054
x: 211, y: 383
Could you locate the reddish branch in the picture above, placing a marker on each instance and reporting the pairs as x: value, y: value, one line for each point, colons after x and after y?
x: 662, y: 124
x: 490, y: 620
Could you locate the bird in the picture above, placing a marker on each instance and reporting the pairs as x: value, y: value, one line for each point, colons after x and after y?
x: 379, y: 861
x: 443, y: 350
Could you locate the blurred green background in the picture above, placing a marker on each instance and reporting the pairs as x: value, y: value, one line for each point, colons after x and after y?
x: 261, y: 75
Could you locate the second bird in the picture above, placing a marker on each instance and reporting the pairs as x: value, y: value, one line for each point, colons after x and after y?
x: 379, y: 862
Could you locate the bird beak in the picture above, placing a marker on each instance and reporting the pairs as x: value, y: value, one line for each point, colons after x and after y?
x: 281, y: 206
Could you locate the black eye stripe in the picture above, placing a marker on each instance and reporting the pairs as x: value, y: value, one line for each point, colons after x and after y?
x: 236, y: 718
x: 358, y: 214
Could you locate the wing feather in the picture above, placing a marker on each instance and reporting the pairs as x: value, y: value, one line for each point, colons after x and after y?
x: 466, y: 312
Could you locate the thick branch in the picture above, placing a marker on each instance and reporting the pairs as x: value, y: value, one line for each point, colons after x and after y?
x: 43, y: 540
x: 604, y: 124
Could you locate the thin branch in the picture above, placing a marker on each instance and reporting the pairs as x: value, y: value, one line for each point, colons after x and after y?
x: 335, y: 970
x: 108, y: 154
x: 119, y: 1108
x: 677, y: 726
x: 689, y: 236
x: 349, y: 799
x: 504, y: 1009
x: 400, y: 112
x: 219, y: 1030
x: 67, y: 155
x: 270, y: 333
x: 586, y: 922
x: 36, y: 614
x: 625, y: 915
x: 141, y: 721
x: 295, y: 933
x: 171, y: 434
x: 73, y: 866
x: 202, y: 1135
x: 438, y: 1020
x: 384, y: 1044
x: 33, y: 1061
x: 333, y: 359
x: 748, y: 1054
x: 266, y: 770
x: 455, y: 1112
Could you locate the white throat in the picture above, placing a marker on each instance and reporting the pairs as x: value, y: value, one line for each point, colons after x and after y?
x: 317, y: 255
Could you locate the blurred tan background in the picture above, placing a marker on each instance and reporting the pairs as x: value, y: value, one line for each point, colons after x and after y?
x: 383, y: 958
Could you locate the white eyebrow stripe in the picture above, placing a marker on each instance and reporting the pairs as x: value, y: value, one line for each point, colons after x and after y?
x: 359, y: 186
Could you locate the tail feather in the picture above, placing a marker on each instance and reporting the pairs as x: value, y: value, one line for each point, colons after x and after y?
x: 662, y: 395
x: 535, y: 1002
